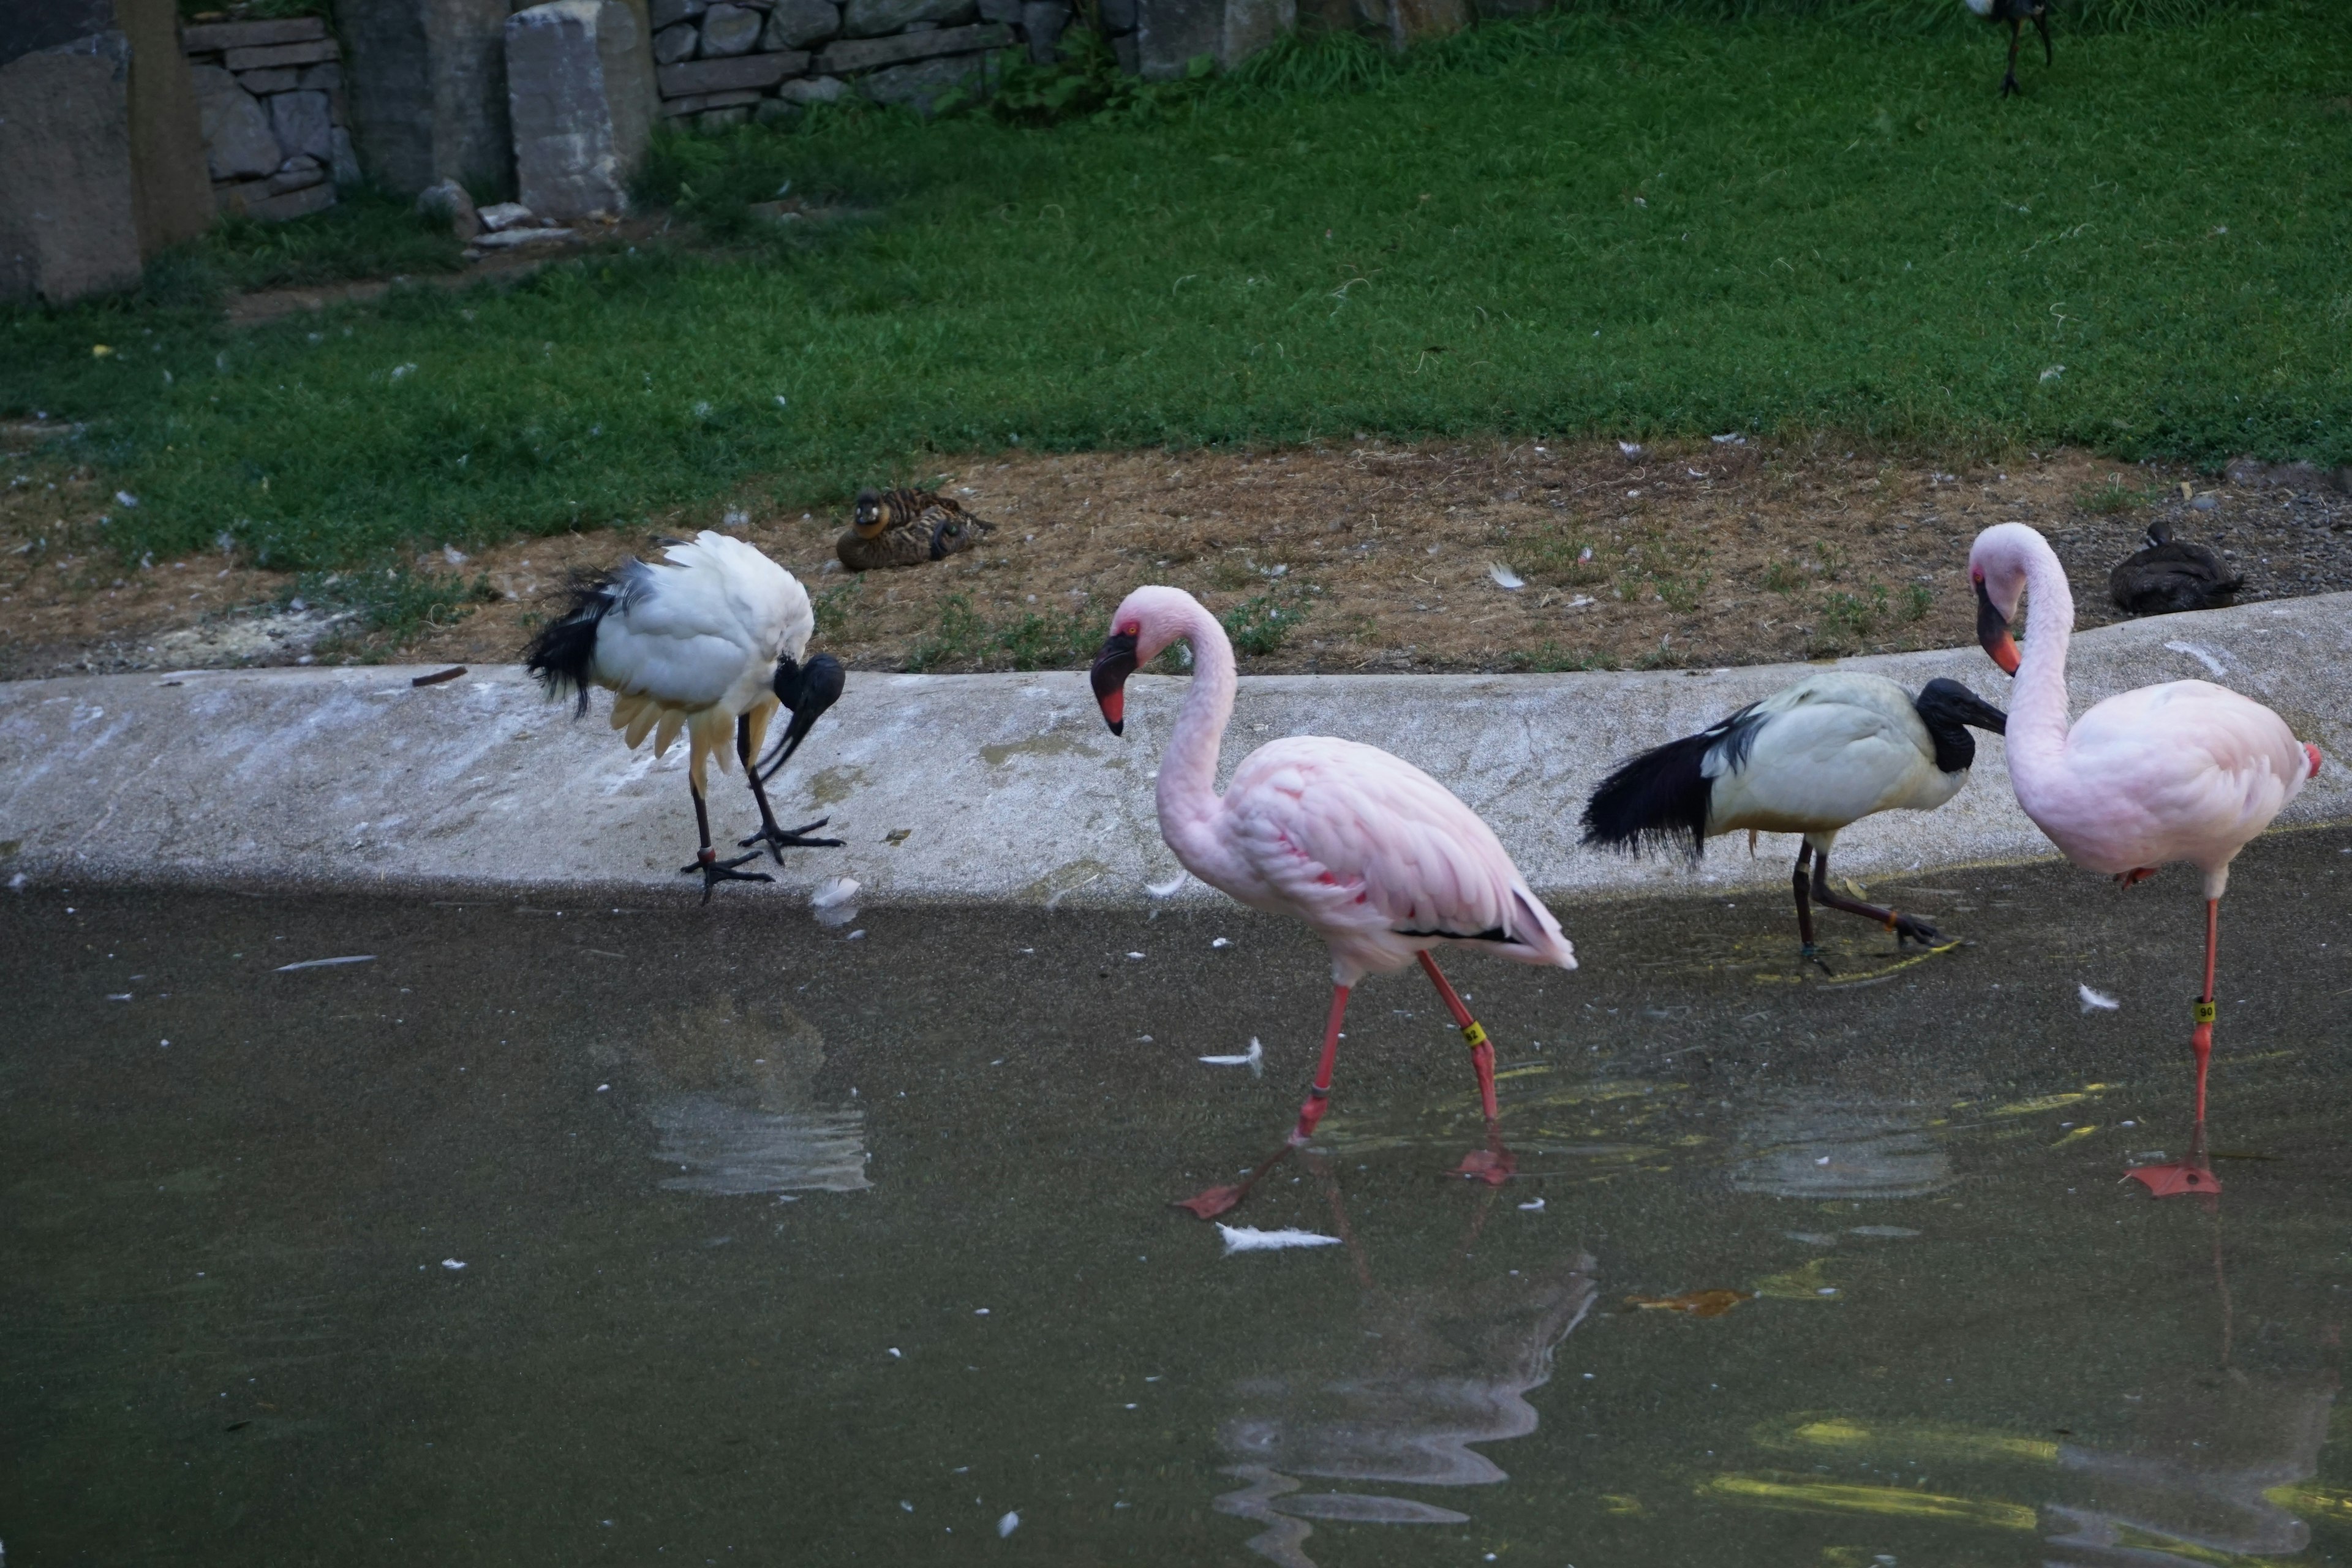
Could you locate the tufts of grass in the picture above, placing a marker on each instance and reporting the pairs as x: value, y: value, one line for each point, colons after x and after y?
x: 1259, y: 624
x: 1551, y: 658
x: 1629, y: 218
x: 2112, y: 495
x: 1556, y: 556
x: 386, y: 606
x: 965, y: 639
x: 1847, y: 620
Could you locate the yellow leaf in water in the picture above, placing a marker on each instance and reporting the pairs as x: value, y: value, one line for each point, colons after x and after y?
x: 1697, y: 1303
x: 1900, y: 1503
x: 1805, y: 1284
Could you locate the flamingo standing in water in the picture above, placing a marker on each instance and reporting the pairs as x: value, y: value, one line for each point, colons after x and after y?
x: 1371, y: 851
x: 2186, y: 771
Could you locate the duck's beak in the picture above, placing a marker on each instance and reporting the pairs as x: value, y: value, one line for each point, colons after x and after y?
x: 1113, y: 662
x: 1992, y: 631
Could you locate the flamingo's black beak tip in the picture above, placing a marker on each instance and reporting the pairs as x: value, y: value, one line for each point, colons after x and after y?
x: 1113, y: 662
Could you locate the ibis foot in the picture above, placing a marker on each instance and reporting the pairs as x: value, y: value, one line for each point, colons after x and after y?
x: 776, y: 840
x: 714, y: 870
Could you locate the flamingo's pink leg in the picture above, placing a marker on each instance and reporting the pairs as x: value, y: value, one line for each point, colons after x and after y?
x: 1218, y: 1200
x: 1494, y: 1163
x: 2194, y: 1175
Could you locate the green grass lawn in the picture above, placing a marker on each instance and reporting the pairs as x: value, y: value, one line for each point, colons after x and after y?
x: 1574, y: 224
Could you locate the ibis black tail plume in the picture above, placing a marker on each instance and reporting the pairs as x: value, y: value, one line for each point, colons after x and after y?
x: 1663, y: 795
x: 564, y: 651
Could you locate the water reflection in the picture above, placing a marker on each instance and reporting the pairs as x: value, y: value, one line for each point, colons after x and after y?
x: 726, y: 1149
x: 1826, y: 1147
x: 1431, y: 1369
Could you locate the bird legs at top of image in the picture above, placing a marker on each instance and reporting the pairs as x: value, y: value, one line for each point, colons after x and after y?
x: 2040, y: 15
x: 714, y: 870
x: 2194, y: 1175
x: 774, y: 838
x: 1216, y: 1201
x: 1494, y: 1163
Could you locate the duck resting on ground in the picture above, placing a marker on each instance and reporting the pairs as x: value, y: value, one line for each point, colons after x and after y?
x: 1812, y: 758
x: 906, y: 528
x: 706, y: 640
x: 2170, y: 577
x: 2016, y: 12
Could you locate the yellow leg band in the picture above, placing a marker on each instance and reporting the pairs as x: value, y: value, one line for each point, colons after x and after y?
x: 1473, y: 1035
x: 2201, y: 1011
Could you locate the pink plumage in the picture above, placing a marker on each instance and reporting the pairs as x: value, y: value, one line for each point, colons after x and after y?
x: 2186, y: 771
x: 1380, y: 857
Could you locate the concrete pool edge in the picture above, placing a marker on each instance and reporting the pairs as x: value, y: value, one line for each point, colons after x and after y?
x: 1002, y: 789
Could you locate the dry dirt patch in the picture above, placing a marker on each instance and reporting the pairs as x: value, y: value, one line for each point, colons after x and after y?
x: 1370, y: 557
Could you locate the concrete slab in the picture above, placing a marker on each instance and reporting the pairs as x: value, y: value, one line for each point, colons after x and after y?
x: 1000, y: 788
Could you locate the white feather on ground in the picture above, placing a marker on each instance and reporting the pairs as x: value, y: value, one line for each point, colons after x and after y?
x: 835, y: 903
x: 1170, y: 888
x: 1253, y: 1058
x: 1504, y: 578
x: 1249, y: 1238
x: 2096, y: 1001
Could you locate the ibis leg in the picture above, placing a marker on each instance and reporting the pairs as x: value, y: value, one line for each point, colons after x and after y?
x: 776, y: 839
x: 1804, y: 903
x: 1217, y: 1200
x: 2194, y: 1175
x: 1494, y: 1163
x: 714, y: 870
x: 1905, y: 927
x: 2009, y: 82
x: 2042, y: 25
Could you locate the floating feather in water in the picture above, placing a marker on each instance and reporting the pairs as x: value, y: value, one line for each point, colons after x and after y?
x: 1253, y: 1058
x: 1249, y: 1238
x: 2096, y: 1001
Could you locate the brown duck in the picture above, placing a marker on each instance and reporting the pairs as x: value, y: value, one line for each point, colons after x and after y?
x: 2170, y: 577
x: 906, y: 528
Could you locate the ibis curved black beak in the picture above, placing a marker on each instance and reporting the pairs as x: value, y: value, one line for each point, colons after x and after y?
x: 1949, y: 699
x: 1992, y: 631
x: 807, y: 689
x: 1113, y: 662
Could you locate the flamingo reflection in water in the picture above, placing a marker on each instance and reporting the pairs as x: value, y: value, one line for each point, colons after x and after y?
x: 1438, y: 1368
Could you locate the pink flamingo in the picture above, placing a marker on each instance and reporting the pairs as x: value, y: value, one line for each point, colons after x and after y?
x: 2186, y: 771
x: 1367, y: 848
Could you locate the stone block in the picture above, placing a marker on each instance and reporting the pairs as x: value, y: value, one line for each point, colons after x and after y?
x: 313, y: 198
x: 204, y: 37
x: 676, y: 43
x: 579, y: 76
x: 721, y: 119
x: 869, y: 54
x: 797, y: 24
x: 306, y: 54
x: 1252, y: 25
x: 1124, y: 49
x: 1118, y: 15
x: 262, y: 83
x: 1006, y: 11
x: 448, y: 201
x: 665, y: 13
x: 238, y: 140
x: 326, y: 78
x: 68, y: 224
x: 873, y: 19
x: 427, y: 85
x: 1171, y: 34
x: 298, y: 174
x: 919, y: 86
x: 1412, y: 21
x: 728, y: 30
x: 696, y: 103
x: 1044, y: 20
x: 302, y: 124
x: 752, y: 71
x: 346, y: 161
x: 814, y: 89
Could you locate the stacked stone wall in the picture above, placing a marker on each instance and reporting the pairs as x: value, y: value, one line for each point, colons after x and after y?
x: 275, y: 127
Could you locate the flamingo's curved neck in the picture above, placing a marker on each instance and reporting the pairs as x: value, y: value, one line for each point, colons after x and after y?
x: 1188, y: 770
x: 2038, y: 719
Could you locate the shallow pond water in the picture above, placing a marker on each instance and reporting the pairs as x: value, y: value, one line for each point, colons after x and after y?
x: 662, y: 1234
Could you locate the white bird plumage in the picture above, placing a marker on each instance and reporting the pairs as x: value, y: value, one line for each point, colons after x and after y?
x: 707, y: 641
x: 1812, y: 758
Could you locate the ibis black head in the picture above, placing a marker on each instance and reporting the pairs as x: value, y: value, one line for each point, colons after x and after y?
x: 806, y: 690
x: 1949, y: 708
x: 1113, y: 662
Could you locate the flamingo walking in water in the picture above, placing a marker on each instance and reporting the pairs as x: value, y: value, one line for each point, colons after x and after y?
x: 1371, y: 851
x: 2186, y: 771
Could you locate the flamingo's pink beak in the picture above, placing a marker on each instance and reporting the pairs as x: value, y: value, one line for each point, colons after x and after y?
x: 1992, y: 631
x: 1113, y: 662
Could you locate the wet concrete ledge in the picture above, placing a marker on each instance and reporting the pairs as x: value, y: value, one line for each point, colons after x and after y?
x: 960, y: 789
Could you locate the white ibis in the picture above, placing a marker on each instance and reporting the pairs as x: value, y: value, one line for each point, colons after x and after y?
x: 2017, y: 13
x: 2186, y: 771
x: 707, y: 640
x: 1374, y: 854
x: 1812, y: 758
